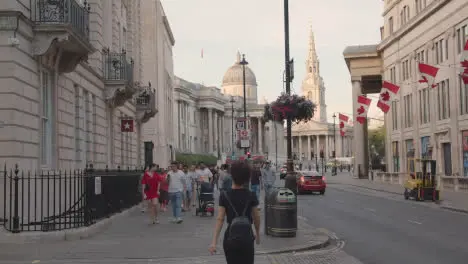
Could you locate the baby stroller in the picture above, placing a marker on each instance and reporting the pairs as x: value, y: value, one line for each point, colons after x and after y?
x: 205, y: 199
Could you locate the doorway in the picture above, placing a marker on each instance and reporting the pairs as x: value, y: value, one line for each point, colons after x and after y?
x: 447, y: 153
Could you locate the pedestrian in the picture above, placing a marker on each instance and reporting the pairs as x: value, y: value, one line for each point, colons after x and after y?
x: 163, y: 191
x: 239, y: 206
x: 175, y: 178
x: 188, y: 192
x: 150, y: 185
x: 268, y: 177
x: 225, y: 179
x: 204, y: 174
x: 255, y: 180
x: 192, y: 177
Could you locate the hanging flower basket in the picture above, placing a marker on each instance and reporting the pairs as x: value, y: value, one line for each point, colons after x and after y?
x: 298, y: 108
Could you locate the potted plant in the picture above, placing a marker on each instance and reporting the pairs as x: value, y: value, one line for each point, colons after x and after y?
x: 298, y: 108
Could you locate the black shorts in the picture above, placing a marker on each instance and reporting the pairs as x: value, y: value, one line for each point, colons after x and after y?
x: 163, y: 196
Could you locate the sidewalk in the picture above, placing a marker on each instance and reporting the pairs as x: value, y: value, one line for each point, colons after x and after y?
x: 130, y: 237
x: 455, y: 201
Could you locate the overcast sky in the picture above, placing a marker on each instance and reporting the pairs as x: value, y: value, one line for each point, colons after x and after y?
x: 255, y: 27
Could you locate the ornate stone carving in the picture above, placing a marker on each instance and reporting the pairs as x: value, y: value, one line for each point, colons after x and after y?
x: 43, y: 42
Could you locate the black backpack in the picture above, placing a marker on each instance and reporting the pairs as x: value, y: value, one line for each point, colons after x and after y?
x: 240, y: 232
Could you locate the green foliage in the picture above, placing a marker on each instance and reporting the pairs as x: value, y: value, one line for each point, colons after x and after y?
x: 377, y: 139
x: 193, y: 159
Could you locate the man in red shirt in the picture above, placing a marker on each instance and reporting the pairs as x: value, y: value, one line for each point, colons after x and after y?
x: 151, y: 184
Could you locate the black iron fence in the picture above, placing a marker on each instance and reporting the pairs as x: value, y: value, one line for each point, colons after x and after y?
x: 64, y: 12
x: 58, y: 200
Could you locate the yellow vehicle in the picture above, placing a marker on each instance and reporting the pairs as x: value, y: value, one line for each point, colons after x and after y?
x: 421, y: 184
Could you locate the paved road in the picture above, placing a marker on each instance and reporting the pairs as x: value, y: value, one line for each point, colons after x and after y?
x: 383, y: 228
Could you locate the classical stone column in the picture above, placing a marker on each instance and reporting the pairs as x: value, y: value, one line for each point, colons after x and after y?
x: 216, y: 133
x: 327, y: 147
x: 359, y: 141
x: 299, y: 139
x: 317, y: 143
x: 260, y: 138
x: 210, y: 131
x: 309, y: 156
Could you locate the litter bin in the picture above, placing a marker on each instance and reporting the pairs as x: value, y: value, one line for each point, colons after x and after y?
x: 281, y: 213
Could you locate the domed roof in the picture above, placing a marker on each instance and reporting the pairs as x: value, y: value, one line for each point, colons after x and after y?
x: 234, y: 75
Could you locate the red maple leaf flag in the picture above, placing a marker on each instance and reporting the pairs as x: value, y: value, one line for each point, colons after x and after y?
x: 387, y: 94
x: 126, y: 125
x: 343, y: 118
x: 342, y: 133
x: 341, y: 124
x: 464, y: 64
x: 364, y: 104
x: 428, y: 75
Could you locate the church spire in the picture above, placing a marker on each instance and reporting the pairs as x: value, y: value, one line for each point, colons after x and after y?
x: 311, y: 40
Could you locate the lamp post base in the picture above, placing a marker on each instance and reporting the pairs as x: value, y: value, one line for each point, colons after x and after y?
x: 290, y: 180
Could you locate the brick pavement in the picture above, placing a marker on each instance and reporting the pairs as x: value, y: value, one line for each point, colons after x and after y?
x: 456, y: 201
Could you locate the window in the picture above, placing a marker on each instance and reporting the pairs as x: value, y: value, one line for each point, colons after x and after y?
x: 46, y: 117
x: 86, y: 127
x: 443, y: 100
x: 122, y: 150
x: 77, y: 126
x: 405, y: 70
x: 421, y: 57
x: 463, y: 97
x: 404, y: 15
x: 93, y: 132
x: 395, y: 154
x: 446, y: 49
x: 390, y: 25
x: 393, y: 75
x: 395, y: 115
x: 408, y: 119
x: 420, y: 5
x: 439, y: 51
x: 462, y: 36
x: 424, y: 114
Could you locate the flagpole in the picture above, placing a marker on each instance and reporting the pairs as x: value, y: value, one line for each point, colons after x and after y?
x: 201, y: 66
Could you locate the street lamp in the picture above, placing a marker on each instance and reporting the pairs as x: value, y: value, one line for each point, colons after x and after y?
x: 243, y: 62
x: 334, y: 145
x: 290, y: 179
x: 232, y: 123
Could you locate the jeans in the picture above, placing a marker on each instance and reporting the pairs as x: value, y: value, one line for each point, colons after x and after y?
x: 176, y: 203
x: 268, y: 188
x: 256, y: 189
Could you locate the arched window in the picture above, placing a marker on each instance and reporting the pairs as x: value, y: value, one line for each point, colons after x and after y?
x: 309, y: 95
x: 310, y: 69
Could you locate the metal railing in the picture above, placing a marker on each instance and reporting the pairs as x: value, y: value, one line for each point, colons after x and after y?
x: 116, y: 67
x: 58, y: 200
x: 64, y: 12
x: 146, y: 99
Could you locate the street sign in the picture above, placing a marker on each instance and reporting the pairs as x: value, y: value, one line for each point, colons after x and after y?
x: 240, y: 124
x: 245, y: 143
x: 244, y: 134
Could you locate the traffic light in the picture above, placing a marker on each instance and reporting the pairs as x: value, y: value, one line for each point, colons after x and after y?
x: 248, y: 155
x: 312, y: 154
x: 321, y: 154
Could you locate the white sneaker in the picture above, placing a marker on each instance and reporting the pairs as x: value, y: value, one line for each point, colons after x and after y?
x: 179, y: 220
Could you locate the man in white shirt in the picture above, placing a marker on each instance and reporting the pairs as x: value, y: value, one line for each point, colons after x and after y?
x: 204, y: 174
x: 176, y: 179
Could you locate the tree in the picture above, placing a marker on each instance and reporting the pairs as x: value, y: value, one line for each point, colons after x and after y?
x: 377, y: 142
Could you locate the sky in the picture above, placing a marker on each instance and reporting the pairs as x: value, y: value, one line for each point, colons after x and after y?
x: 256, y: 28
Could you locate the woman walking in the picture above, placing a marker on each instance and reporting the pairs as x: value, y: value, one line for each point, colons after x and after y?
x: 150, y: 185
x: 240, y: 208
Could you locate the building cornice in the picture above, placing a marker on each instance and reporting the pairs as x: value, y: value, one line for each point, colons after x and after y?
x: 168, y: 30
x: 413, y: 22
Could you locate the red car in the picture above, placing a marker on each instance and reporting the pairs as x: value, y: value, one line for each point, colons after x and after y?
x: 310, y: 181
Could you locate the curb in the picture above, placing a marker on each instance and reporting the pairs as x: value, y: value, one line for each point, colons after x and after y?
x: 302, y: 248
x: 454, y: 209
x: 64, y: 235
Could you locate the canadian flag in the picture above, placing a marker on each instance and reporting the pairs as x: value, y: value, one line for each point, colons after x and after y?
x: 464, y: 64
x: 343, y: 120
x: 364, y: 104
x: 428, y: 75
x: 387, y: 94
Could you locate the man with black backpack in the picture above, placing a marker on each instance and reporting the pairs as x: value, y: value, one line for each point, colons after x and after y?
x: 240, y: 207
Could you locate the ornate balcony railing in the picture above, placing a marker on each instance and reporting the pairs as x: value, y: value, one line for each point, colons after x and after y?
x: 145, y: 103
x: 64, y: 12
x: 117, y: 68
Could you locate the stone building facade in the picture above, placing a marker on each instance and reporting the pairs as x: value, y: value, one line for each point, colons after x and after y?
x: 205, y: 118
x: 71, y: 71
x: 422, y: 122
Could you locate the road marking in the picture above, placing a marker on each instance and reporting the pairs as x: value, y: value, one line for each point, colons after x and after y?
x: 302, y: 218
x: 35, y: 261
x: 370, y: 210
x: 339, y: 201
x: 415, y: 222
